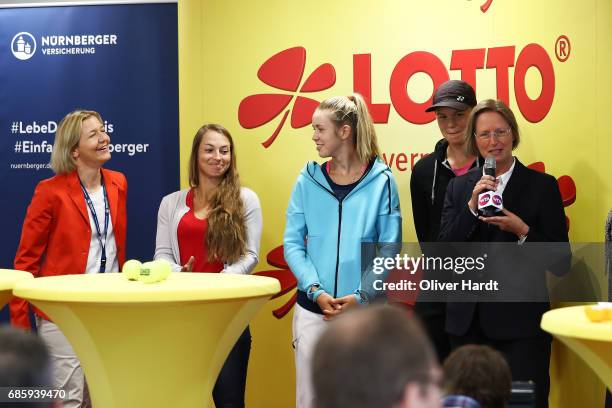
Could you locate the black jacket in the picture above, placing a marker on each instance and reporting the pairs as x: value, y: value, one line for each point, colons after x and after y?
x: 535, y: 198
x: 430, y: 174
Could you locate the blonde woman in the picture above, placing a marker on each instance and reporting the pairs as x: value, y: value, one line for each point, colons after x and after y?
x: 335, y: 206
x: 76, y: 223
x: 214, y: 226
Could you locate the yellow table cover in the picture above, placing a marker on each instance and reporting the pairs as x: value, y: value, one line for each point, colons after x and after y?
x: 8, y: 278
x: 589, y: 340
x: 150, y: 345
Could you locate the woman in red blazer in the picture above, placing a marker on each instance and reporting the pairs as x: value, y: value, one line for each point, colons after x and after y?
x: 75, y: 223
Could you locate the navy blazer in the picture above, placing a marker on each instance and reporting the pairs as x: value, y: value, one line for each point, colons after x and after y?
x: 536, y: 199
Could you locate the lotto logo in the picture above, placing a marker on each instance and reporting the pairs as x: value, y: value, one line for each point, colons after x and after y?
x: 284, y: 71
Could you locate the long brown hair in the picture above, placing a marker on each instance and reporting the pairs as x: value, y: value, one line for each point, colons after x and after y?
x: 226, y: 235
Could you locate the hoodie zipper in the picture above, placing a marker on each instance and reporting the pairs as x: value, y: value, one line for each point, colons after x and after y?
x: 339, y: 230
x: 340, y: 227
x: 338, y: 248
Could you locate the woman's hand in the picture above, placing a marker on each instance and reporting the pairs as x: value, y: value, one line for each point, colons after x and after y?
x: 510, y: 223
x: 484, y: 184
x: 328, y: 305
x: 188, y: 267
x: 346, y: 302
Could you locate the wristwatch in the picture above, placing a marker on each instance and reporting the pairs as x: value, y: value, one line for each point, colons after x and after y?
x: 362, y: 297
x: 314, y: 291
x: 523, y: 237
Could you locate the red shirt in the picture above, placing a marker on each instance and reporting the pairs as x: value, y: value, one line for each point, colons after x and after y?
x: 191, y: 238
x: 460, y: 171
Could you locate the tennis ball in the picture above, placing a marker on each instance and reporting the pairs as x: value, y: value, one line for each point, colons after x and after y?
x: 596, y: 314
x: 131, y: 269
x: 149, y: 272
x: 599, y: 313
x: 165, y: 268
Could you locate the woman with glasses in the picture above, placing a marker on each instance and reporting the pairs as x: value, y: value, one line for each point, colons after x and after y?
x: 533, y: 212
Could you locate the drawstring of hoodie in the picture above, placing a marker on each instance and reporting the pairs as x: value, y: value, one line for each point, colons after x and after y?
x: 433, y: 184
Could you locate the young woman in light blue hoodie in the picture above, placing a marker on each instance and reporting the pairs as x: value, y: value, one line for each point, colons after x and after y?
x: 335, y: 207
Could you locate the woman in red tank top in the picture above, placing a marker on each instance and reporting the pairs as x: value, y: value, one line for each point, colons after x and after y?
x: 214, y: 226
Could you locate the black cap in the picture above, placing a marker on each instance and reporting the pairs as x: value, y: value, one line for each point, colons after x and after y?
x: 454, y: 94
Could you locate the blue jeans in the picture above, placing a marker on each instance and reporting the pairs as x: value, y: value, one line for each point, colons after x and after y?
x: 229, y: 388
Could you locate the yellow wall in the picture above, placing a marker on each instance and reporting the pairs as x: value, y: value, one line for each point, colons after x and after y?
x: 222, y: 44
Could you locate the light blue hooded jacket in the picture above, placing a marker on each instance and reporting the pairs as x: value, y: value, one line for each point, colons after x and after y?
x: 323, y: 236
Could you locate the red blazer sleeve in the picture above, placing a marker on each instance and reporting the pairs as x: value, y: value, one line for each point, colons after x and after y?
x: 124, y: 211
x: 34, y: 238
x: 118, y: 203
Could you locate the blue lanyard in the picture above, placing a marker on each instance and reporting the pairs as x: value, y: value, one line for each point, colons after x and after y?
x: 95, y: 219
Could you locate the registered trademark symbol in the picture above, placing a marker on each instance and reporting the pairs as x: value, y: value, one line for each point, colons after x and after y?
x: 563, y: 48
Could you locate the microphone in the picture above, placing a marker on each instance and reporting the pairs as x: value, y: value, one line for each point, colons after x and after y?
x: 490, y: 202
x: 489, y: 166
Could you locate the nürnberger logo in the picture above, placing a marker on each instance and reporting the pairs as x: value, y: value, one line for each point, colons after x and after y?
x: 78, y: 40
x: 78, y: 44
x: 284, y: 71
x: 23, y: 46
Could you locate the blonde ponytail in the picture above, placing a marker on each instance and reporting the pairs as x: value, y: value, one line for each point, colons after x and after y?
x: 353, y: 111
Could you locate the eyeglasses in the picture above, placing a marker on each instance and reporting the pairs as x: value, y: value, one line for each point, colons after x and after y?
x: 497, y: 133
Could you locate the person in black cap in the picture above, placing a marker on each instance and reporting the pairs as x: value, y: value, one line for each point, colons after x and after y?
x: 452, y: 104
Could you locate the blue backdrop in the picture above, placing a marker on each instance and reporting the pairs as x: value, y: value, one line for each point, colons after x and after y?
x: 120, y: 60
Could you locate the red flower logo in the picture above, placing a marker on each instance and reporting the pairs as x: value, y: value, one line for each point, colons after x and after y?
x: 485, y: 6
x: 285, y: 71
x: 567, y: 187
x: 284, y: 275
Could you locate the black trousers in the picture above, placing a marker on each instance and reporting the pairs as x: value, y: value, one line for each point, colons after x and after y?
x: 528, y: 358
x: 231, y: 383
x: 433, y: 318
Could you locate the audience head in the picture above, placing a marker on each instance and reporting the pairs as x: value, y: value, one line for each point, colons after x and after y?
x: 375, y: 357
x: 479, y: 372
x: 24, y: 362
